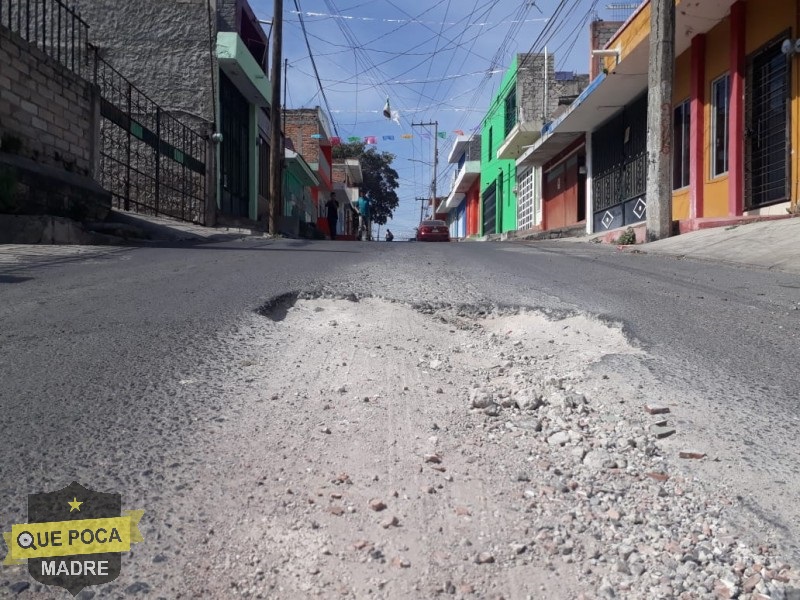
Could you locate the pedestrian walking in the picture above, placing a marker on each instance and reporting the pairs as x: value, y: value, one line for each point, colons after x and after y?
x: 332, y: 208
x: 364, y: 208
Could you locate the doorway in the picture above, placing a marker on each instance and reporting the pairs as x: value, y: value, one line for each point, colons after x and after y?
x: 767, y: 141
x: 235, y: 150
x: 489, y: 210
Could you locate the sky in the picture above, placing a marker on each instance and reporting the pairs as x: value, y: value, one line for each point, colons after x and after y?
x: 435, y: 60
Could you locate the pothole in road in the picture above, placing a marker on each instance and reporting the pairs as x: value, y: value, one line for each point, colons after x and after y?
x: 489, y: 424
x: 559, y: 336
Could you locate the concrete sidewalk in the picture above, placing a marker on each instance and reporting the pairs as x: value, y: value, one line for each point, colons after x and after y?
x: 164, y: 229
x: 120, y: 228
x: 766, y: 244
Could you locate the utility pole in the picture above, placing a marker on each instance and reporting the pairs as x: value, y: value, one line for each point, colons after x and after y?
x: 545, y: 99
x: 435, y: 157
x: 275, y: 142
x: 659, y: 119
x: 422, y: 202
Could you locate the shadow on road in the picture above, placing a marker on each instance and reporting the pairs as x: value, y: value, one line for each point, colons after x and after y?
x: 13, y: 279
x: 26, y: 261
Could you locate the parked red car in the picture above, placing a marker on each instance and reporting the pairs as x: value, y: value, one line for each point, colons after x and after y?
x: 433, y: 231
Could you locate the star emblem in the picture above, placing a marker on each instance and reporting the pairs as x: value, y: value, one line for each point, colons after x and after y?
x: 74, y: 505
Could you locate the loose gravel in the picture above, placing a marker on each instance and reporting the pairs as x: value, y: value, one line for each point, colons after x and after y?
x: 360, y: 448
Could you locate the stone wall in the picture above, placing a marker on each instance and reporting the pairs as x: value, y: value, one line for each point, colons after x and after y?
x: 565, y: 91
x: 227, y: 13
x: 530, y: 87
x: 600, y: 33
x: 163, y: 48
x: 473, y: 149
x: 47, y: 113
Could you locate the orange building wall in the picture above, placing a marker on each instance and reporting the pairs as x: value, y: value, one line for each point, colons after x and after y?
x: 680, y: 204
x: 683, y: 71
x: 794, y: 190
x: 715, y: 201
x: 767, y: 19
x: 636, y: 31
x: 473, y: 198
x: 681, y: 89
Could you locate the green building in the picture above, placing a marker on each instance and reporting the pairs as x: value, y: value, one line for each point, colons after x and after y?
x: 498, y: 201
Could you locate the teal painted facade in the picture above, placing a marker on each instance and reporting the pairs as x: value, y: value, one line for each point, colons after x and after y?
x: 295, y: 192
x: 255, y: 89
x: 499, y: 209
x: 298, y: 180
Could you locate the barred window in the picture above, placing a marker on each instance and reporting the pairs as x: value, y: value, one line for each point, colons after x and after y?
x: 680, y: 148
x: 720, y: 103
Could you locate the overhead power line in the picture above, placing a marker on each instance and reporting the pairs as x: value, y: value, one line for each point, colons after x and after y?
x: 414, y: 21
x: 314, y: 64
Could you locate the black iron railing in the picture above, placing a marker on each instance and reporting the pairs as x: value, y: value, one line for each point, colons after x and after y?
x: 54, y: 27
x: 627, y: 181
x: 149, y: 160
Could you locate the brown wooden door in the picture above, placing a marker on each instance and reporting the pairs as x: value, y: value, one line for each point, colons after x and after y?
x: 561, y: 195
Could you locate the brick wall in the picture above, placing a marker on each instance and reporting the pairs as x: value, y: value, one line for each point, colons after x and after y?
x: 338, y: 173
x: 600, y: 33
x: 47, y: 107
x: 301, y: 124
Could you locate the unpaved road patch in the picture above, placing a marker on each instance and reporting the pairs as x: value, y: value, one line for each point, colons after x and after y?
x: 388, y: 452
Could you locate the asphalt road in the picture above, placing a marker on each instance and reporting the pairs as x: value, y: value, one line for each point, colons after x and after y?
x: 95, y: 345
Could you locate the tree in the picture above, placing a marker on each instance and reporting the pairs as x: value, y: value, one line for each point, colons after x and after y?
x: 380, y: 179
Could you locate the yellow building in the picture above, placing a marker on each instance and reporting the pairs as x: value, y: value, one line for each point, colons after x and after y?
x: 735, y: 116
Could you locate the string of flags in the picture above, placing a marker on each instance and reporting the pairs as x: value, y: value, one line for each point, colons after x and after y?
x: 372, y: 140
x: 394, y: 116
